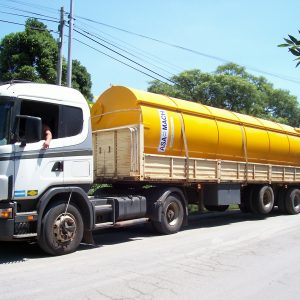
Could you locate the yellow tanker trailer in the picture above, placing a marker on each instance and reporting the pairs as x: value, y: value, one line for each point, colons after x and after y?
x: 150, y: 138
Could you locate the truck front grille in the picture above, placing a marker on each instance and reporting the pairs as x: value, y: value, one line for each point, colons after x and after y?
x: 25, y: 227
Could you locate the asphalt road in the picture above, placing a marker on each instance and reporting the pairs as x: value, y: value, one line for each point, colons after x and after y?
x: 230, y: 256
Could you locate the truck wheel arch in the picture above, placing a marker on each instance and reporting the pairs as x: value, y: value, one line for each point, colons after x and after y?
x: 79, y: 197
x: 158, y: 195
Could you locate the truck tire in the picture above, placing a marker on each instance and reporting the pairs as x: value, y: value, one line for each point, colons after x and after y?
x: 245, y: 198
x: 281, y: 200
x: 172, y: 215
x: 292, y: 201
x: 263, y: 199
x: 61, y: 233
x: 248, y: 199
x: 243, y: 208
x: 219, y: 208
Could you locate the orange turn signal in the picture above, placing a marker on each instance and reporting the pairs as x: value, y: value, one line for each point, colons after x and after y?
x: 30, y: 218
x: 6, y: 213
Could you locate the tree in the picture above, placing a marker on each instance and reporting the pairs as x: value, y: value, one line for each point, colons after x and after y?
x: 231, y: 87
x: 32, y: 55
x: 81, y: 79
x: 294, y: 47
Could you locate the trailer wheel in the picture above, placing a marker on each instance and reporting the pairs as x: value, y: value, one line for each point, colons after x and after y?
x: 219, y: 208
x: 264, y: 199
x: 292, y: 201
x: 61, y: 232
x: 171, y: 216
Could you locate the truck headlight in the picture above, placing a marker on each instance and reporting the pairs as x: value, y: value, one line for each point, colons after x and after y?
x: 6, y: 213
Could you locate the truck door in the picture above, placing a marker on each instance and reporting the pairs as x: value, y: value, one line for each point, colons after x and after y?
x: 37, y: 169
x: 76, y: 138
x: 6, y: 150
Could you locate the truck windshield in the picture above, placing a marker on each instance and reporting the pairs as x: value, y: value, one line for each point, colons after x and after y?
x: 5, y: 109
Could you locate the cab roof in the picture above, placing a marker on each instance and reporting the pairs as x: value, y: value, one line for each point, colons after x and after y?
x: 40, y: 91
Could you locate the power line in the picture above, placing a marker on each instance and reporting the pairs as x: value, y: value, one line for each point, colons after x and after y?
x: 120, y: 54
x: 26, y: 16
x: 31, y: 27
x: 118, y: 60
x: 155, y: 39
x: 26, y: 11
x: 124, y: 50
x: 122, y: 62
x: 283, y: 77
x: 35, y: 5
x: 135, y: 49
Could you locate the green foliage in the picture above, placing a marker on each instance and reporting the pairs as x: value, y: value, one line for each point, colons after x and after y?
x: 29, y: 55
x: 293, y: 45
x: 32, y: 55
x: 231, y: 87
x: 81, y: 79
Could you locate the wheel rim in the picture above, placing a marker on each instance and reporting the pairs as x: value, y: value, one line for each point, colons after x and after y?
x: 64, y: 228
x: 172, y: 213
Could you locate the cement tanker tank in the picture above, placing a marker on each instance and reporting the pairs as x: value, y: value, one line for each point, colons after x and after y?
x: 175, y: 127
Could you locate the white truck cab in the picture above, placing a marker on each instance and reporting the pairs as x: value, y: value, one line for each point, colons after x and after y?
x: 28, y: 172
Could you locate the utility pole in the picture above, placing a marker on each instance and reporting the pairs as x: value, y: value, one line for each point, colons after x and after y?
x: 71, y: 24
x: 60, y: 46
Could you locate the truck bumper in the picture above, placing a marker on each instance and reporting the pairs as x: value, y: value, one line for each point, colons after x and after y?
x: 6, y: 230
x: 7, y: 225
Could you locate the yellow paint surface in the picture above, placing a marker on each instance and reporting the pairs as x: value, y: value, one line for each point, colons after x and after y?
x: 210, y: 132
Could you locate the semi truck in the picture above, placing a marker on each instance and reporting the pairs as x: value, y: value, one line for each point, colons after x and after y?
x: 151, y: 155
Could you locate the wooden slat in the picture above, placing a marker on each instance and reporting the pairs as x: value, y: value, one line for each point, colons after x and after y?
x: 122, y: 152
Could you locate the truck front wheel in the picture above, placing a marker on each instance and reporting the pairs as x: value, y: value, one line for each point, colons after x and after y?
x: 172, y: 215
x: 61, y: 231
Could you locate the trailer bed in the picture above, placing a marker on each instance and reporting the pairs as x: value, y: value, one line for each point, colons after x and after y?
x: 119, y: 155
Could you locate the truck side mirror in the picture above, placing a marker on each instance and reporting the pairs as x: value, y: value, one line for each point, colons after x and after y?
x: 27, y: 129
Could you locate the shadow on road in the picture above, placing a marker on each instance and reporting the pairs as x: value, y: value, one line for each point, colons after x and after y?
x: 18, y: 252
x: 215, y: 219
x: 206, y: 220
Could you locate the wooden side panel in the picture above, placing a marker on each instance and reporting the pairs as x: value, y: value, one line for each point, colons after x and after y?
x: 116, y: 153
x: 206, y: 170
x: 158, y: 167
x: 104, y: 153
x: 278, y: 173
x: 285, y: 174
x: 257, y: 172
x: 289, y: 174
x: 165, y: 168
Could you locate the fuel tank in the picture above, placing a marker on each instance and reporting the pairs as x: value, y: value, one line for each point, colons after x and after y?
x: 176, y: 127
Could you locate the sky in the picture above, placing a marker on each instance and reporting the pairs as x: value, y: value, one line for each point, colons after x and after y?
x: 245, y: 32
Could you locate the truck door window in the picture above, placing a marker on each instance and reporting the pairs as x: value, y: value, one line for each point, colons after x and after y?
x: 5, y: 112
x: 63, y: 120
x: 71, y: 121
x: 48, y: 112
